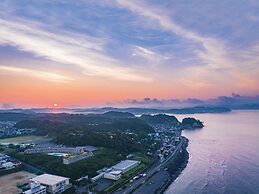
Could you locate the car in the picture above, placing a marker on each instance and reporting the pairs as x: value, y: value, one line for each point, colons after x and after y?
x: 136, y: 177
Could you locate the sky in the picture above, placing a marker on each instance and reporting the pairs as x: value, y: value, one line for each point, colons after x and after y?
x: 90, y: 52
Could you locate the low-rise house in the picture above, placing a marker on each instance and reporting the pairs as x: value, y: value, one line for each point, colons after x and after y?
x: 8, y: 165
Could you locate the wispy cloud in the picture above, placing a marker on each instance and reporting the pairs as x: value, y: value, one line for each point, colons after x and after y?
x: 48, y: 76
x: 66, y: 48
x: 140, y: 48
x: 210, y: 50
x: 219, y: 59
x: 148, y: 54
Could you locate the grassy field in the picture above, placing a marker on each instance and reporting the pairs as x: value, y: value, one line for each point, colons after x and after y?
x: 22, y: 139
x: 8, y: 182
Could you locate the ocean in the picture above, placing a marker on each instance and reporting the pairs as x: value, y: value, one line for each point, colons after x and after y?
x: 224, y: 155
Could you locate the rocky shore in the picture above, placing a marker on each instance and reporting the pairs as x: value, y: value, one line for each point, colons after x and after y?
x: 175, y: 168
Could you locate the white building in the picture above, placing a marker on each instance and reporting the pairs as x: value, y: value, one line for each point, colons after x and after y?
x: 53, y: 183
x: 113, y: 175
x: 126, y: 165
x: 8, y: 165
x: 3, y: 156
x: 36, y: 188
x: 116, y: 171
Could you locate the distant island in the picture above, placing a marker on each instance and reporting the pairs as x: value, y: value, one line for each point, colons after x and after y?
x: 191, y: 123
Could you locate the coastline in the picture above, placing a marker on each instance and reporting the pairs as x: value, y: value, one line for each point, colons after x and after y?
x: 175, y: 168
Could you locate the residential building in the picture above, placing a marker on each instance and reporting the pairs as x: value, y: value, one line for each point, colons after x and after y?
x: 54, y: 184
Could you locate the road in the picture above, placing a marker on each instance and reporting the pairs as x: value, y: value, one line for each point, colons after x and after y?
x: 150, y: 172
x: 153, y: 184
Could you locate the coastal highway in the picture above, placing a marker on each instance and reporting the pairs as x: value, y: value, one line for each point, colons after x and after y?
x: 150, y: 172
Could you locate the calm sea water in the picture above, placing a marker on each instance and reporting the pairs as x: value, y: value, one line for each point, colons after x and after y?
x: 224, y: 155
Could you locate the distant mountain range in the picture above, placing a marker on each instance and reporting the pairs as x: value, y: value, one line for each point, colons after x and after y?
x: 157, y: 110
x: 112, y: 111
x: 154, y: 106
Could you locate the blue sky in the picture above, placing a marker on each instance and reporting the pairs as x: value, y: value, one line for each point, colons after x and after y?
x: 178, y: 48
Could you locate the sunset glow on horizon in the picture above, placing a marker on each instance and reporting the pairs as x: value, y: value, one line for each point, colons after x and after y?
x: 92, y: 53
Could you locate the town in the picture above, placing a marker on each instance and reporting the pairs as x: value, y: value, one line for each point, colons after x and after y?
x: 135, y: 172
x: 7, y: 129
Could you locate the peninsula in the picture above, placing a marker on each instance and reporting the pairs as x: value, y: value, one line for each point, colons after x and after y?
x: 154, y: 141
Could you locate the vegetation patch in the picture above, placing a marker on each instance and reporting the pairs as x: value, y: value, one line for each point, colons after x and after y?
x: 22, y: 139
x: 54, y: 165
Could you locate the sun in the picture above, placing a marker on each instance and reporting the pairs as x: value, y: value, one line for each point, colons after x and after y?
x: 55, y: 105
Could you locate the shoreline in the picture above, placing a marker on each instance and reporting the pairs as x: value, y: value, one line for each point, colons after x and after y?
x: 175, y: 171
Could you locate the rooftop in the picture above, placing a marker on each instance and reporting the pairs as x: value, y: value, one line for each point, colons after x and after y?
x: 49, y: 179
x: 90, y: 148
x: 125, y: 164
x: 115, y: 172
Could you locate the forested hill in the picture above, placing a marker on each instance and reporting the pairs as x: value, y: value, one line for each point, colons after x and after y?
x: 109, y: 121
x: 159, y: 119
x: 123, y: 132
x: 111, y: 129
